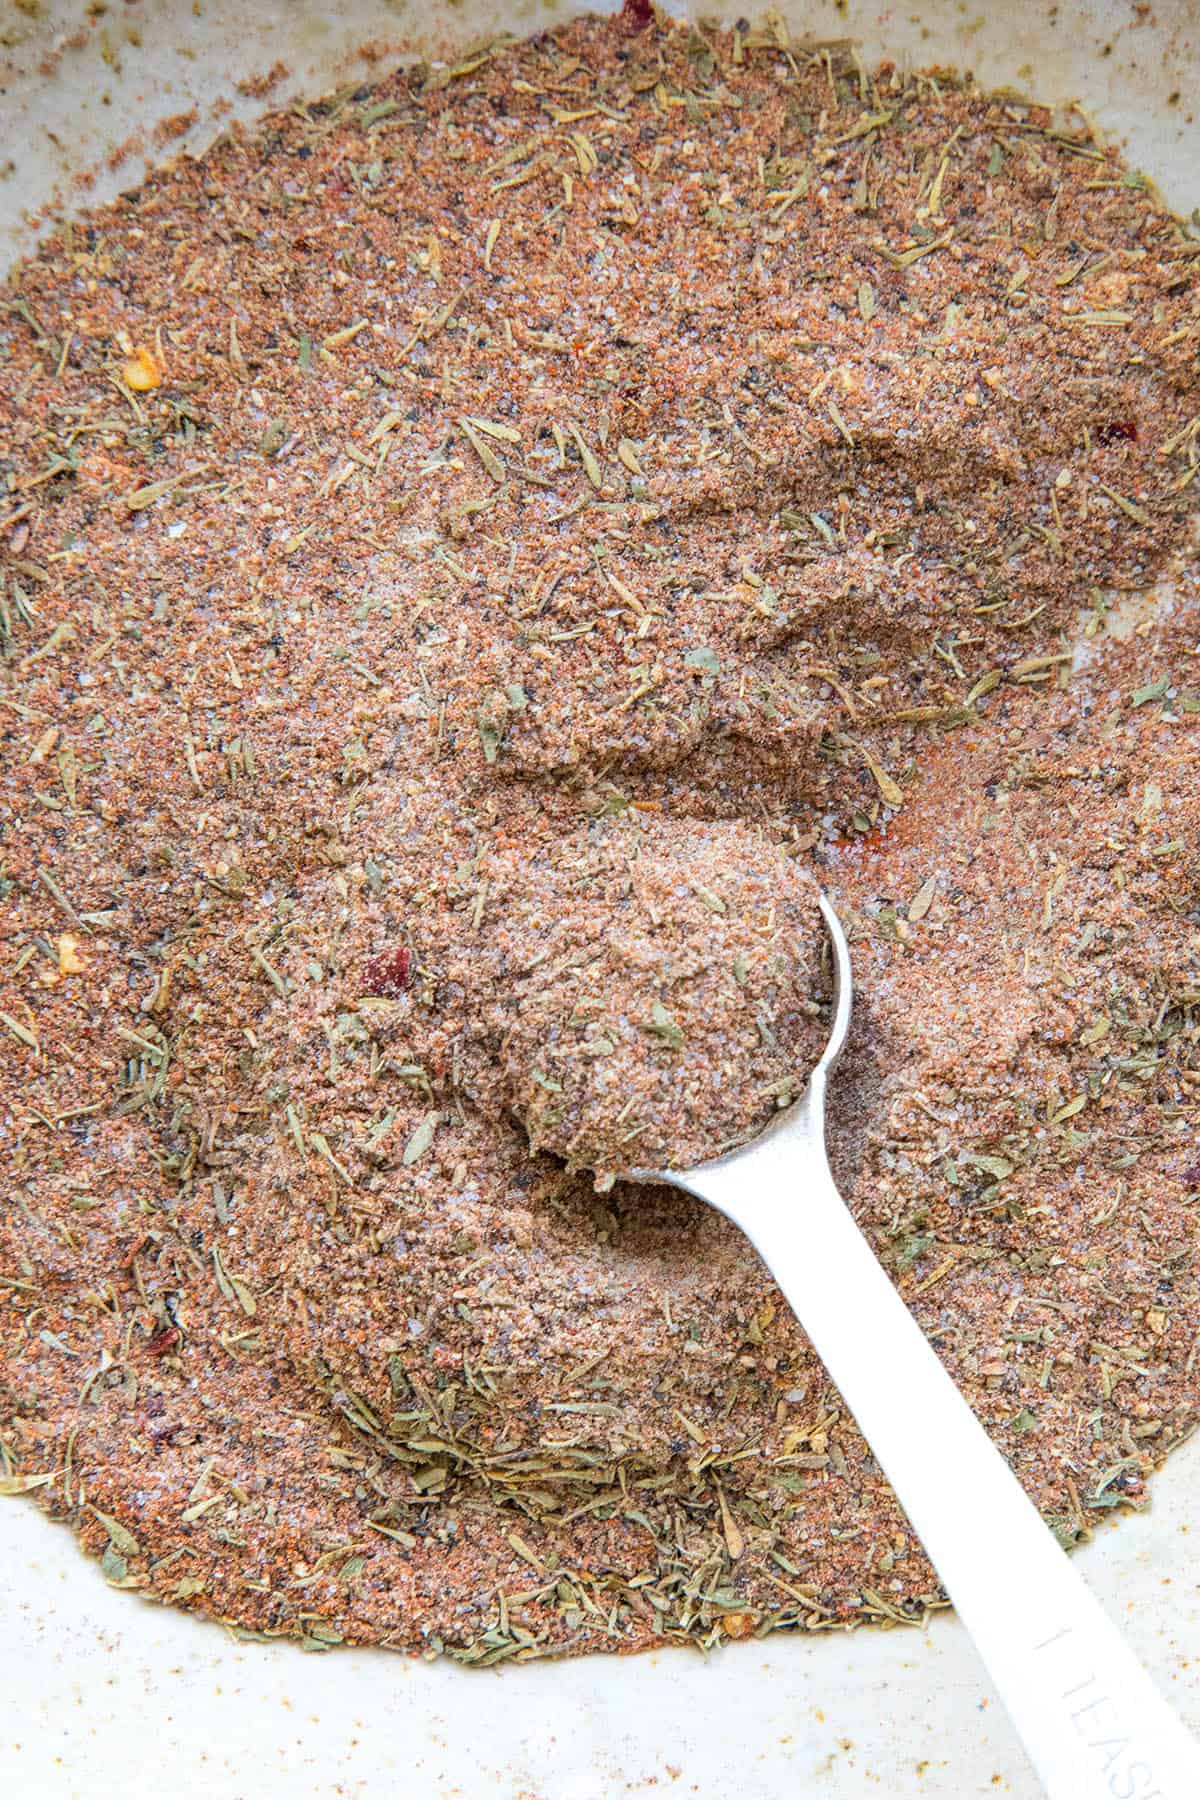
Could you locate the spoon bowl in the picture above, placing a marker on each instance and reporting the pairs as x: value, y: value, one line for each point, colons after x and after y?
x: 806, y: 1114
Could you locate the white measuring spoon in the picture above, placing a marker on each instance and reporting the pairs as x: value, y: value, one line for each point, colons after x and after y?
x: 1094, y: 1724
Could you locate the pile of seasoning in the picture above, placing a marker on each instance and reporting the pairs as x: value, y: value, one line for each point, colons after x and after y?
x: 633, y: 432
x: 640, y: 993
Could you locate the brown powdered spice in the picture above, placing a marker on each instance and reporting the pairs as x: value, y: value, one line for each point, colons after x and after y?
x: 639, y: 993
x: 663, y: 423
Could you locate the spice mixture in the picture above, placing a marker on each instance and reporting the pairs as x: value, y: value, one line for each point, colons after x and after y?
x: 639, y: 994
x: 635, y: 434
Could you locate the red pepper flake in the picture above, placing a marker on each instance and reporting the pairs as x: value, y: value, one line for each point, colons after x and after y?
x: 135, y: 1249
x: 637, y: 14
x: 1115, y: 431
x: 164, y: 1340
x: 389, y: 973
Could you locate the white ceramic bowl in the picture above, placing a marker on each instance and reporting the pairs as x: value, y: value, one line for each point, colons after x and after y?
x: 100, y: 1693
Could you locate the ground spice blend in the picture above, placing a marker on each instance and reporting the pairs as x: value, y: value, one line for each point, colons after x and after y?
x: 640, y: 993
x: 636, y: 424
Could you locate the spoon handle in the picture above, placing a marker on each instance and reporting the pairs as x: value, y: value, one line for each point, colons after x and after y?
x: 1092, y: 1721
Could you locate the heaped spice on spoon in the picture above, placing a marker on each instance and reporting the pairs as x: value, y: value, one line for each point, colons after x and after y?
x: 639, y: 993
x: 582, y: 458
